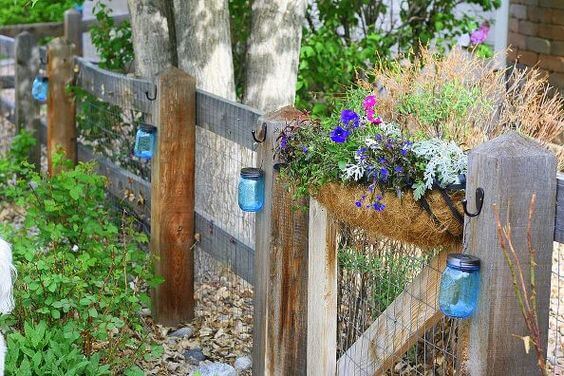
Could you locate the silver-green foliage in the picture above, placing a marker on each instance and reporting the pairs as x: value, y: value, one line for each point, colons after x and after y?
x: 445, y: 161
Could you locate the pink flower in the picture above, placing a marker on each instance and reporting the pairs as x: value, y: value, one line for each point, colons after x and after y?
x: 369, y: 102
x: 480, y: 34
x: 371, y: 115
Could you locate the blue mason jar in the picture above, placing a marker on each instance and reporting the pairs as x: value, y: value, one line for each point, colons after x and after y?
x: 145, y: 141
x: 251, y: 189
x: 460, y: 286
x: 39, y: 88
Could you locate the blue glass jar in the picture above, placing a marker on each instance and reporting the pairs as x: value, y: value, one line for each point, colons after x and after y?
x: 39, y: 88
x: 145, y: 141
x: 251, y: 189
x: 460, y: 286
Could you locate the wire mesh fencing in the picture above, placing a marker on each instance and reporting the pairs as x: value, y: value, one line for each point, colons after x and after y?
x: 555, y: 353
x: 224, y: 267
x: 7, y: 102
x: 374, y: 322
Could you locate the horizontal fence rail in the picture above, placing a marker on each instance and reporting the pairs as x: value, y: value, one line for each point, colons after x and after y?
x: 53, y: 29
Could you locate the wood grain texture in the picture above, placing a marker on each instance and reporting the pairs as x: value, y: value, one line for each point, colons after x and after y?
x: 228, y: 119
x: 172, y: 197
x: 266, y: 246
x: 400, y: 326
x: 40, y: 29
x: 27, y: 109
x: 510, y: 169
x: 321, y: 293
x: 53, y: 29
x: 73, y: 29
x: 61, y: 109
x: 559, y: 221
x: 118, y: 89
x: 7, y: 82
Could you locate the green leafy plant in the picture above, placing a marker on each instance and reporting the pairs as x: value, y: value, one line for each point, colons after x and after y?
x: 112, y: 41
x: 79, y: 264
x: 14, y: 12
x: 44, y: 350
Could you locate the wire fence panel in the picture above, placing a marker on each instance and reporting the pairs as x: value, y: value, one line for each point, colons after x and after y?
x: 225, y: 255
x: 555, y: 354
x: 378, y: 314
x: 7, y: 96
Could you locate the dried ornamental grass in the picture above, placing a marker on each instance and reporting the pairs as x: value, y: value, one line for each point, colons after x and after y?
x: 512, y: 99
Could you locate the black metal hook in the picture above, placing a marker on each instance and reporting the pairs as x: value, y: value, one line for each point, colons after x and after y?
x: 479, y: 203
x: 151, y: 98
x: 264, y: 129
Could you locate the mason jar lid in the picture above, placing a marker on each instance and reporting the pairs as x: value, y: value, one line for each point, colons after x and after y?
x: 462, y: 261
x: 251, y: 172
x: 147, y: 127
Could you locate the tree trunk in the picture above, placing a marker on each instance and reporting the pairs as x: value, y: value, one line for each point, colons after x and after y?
x: 204, y: 44
x: 273, y: 57
x: 152, y: 26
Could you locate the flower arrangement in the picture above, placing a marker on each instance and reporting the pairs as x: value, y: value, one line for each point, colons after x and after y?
x: 391, y: 157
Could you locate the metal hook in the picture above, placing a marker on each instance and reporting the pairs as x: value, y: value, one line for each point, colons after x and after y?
x: 264, y: 129
x: 42, y: 60
x: 153, y: 98
x: 479, y: 203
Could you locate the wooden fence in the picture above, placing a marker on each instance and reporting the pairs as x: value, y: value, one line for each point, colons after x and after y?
x: 295, y: 262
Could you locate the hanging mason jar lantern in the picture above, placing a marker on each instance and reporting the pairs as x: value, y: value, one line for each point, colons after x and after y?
x: 251, y: 189
x: 145, y: 141
x: 460, y: 285
x: 40, y: 87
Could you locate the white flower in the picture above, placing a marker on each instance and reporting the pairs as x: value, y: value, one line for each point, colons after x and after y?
x: 75, y: 248
x: 354, y: 171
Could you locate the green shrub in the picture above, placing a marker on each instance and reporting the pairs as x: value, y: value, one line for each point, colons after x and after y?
x: 82, y: 274
x: 14, y: 12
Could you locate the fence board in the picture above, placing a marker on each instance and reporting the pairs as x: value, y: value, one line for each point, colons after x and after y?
x: 115, y: 88
x: 54, y: 29
x: 231, y: 120
x: 7, y: 82
x: 559, y: 225
x: 7, y: 46
x: 40, y: 29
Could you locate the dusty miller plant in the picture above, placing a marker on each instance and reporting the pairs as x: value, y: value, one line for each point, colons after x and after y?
x: 445, y: 162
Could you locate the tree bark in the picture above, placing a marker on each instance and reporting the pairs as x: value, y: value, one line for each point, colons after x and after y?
x: 273, y: 56
x: 204, y: 44
x: 154, y: 42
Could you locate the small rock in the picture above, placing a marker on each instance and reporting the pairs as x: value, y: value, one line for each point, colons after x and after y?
x: 216, y: 369
x: 243, y: 363
x: 145, y: 312
x: 186, y: 331
x: 194, y: 356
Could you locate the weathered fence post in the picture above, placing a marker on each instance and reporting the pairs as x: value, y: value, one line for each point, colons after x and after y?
x: 172, y: 196
x: 27, y: 109
x: 510, y: 169
x: 61, y: 107
x: 73, y: 29
x: 321, y: 293
x: 281, y: 256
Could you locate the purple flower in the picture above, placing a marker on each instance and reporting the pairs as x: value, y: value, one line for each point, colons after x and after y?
x: 369, y: 102
x: 382, y: 160
x: 379, y: 197
x: 283, y: 142
x: 358, y: 204
x: 403, y: 152
x: 384, y: 173
x: 305, y: 149
x: 398, y: 169
x: 378, y: 206
x: 349, y: 117
x: 378, y: 137
x: 339, y: 135
x: 480, y: 34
